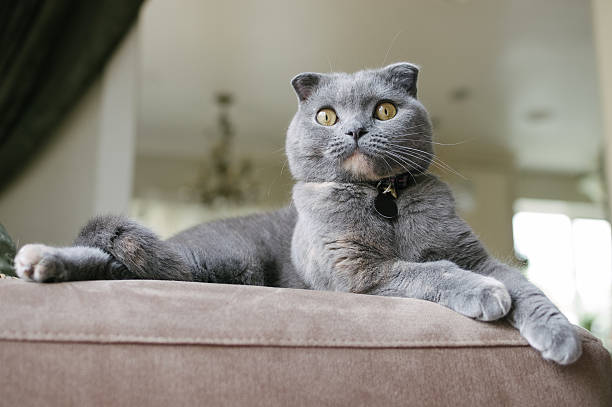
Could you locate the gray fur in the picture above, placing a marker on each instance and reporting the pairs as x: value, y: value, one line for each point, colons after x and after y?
x: 330, y: 238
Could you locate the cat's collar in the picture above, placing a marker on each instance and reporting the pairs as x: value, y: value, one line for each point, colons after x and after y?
x: 388, y: 189
x: 391, y: 185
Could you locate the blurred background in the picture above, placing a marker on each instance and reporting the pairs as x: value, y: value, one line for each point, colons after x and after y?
x: 182, y: 120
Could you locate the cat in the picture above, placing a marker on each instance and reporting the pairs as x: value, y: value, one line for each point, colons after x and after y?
x: 365, y: 217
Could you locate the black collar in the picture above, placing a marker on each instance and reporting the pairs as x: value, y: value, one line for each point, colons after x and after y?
x: 395, y: 184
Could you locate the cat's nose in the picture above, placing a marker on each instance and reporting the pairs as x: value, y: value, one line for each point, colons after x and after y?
x: 356, y: 134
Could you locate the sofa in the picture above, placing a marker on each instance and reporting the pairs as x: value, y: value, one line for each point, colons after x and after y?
x: 167, y: 343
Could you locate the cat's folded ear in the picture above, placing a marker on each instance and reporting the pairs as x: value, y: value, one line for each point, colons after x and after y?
x: 403, y: 74
x: 305, y: 84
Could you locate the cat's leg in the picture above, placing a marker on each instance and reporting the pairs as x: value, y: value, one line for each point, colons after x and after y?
x: 108, y: 247
x: 476, y: 296
x: 535, y: 316
x: 45, y: 264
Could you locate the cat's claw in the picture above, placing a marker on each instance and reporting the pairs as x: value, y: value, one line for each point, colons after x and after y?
x: 37, y: 262
x: 556, y: 340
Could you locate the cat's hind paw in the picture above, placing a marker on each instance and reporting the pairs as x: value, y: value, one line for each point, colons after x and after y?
x: 40, y: 263
x: 556, y: 340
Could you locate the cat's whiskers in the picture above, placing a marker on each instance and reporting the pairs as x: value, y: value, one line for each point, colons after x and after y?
x: 405, y: 138
x: 427, y: 156
x: 283, y: 167
x: 418, y: 126
x: 404, y: 167
x: 387, y: 164
x: 391, y: 46
x: 399, y: 163
x: 418, y: 133
x: 381, y: 153
x: 276, y: 179
x: 402, y: 160
x: 421, y: 157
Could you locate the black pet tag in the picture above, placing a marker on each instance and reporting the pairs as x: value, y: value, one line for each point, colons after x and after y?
x: 385, y: 206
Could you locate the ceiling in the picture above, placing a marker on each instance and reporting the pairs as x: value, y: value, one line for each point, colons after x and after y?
x: 517, y: 77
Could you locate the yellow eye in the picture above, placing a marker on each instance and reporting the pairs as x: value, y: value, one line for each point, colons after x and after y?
x: 327, y: 117
x: 385, y: 111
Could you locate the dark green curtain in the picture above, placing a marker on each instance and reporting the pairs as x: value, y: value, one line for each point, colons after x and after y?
x: 50, y: 52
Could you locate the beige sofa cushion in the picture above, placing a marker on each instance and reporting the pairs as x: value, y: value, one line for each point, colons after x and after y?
x: 178, y: 343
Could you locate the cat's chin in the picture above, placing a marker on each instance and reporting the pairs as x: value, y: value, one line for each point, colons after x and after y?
x: 360, y: 166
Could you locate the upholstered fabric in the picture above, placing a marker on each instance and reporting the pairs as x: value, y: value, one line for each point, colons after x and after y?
x: 176, y: 343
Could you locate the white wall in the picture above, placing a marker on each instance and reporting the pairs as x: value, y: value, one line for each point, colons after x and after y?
x: 87, y: 167
x: 602, y: 27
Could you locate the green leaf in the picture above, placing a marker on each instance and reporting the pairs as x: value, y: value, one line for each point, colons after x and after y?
x: 7, y: 252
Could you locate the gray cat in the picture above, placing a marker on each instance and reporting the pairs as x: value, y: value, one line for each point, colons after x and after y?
x: 365, y: 218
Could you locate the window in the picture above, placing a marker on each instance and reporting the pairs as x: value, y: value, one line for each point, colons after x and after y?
x: 570, y: 259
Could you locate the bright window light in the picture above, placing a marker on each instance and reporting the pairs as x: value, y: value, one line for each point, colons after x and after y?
x: 593, y: 261
x: 545, y: 239
x: 570, y: 260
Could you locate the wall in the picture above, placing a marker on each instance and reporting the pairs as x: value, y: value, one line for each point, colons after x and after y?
x: 484, y: 185
x: 602, y: 16
x: 487, y: 187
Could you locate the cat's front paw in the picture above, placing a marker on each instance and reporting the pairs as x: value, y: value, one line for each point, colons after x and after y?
x: 555, y: 338
x: 37, y: 262
x: 483, y: 298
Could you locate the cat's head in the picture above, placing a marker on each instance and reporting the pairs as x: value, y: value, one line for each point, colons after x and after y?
x: 358, y: 127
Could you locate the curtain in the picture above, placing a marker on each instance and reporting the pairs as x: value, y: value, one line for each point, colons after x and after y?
x: 50, y: 52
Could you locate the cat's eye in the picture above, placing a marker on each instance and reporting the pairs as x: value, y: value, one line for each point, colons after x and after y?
x: 327, y: 117
x: 385, y: 111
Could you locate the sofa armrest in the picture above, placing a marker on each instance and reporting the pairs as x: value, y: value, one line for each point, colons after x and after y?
x: 180, y: 343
